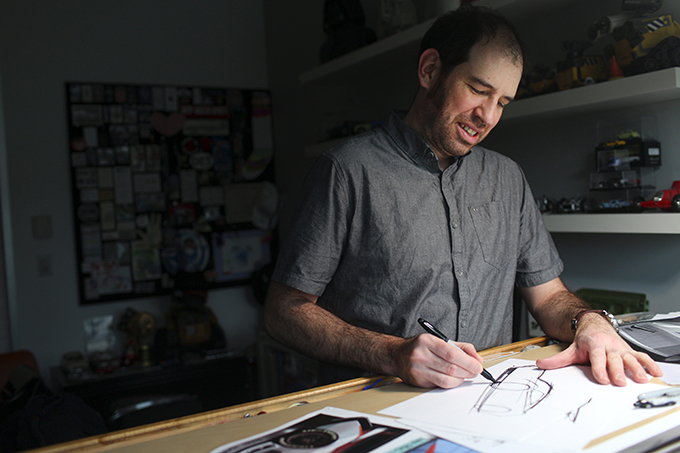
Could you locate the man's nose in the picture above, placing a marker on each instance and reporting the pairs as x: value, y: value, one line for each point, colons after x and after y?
x: 488, y: 112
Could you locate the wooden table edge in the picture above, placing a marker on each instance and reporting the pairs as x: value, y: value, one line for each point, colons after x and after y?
x: 273, y: 404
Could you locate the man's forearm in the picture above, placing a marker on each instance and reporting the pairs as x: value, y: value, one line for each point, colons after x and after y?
x: 558, y: 322
x: 301, y: 324
x: 554, y: 306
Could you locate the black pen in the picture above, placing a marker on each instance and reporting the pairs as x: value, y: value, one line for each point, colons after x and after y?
x: 437, y: 333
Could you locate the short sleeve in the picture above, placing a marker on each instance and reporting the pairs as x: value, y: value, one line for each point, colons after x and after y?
x: 538, y: 260
x: 312, y: 249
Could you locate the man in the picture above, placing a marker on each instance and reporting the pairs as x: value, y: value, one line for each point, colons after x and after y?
x: 416, y: 220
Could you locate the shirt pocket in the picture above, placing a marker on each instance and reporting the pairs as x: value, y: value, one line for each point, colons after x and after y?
x: 491, y: 227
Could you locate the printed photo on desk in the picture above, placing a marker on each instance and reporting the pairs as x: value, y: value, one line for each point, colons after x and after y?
x: 338, y: 430
x: 173, y: 187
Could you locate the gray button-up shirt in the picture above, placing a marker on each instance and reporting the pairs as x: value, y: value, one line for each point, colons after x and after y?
x: 384, y: 237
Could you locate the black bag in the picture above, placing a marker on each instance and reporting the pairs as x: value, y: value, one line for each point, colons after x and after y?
x: 32, y: 416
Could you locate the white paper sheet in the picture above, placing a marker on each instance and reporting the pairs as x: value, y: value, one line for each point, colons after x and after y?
x: 671, y: 373
x: 563, y: 408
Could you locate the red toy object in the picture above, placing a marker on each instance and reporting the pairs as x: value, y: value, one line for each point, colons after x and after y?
x: 615, y: 71
x: 668, y: 200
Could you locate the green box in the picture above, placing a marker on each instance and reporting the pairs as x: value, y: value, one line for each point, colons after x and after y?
x: 615, y: 302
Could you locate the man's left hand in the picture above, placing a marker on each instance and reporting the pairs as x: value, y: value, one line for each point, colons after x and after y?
x: 611, y: 358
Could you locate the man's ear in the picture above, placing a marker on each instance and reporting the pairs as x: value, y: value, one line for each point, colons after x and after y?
x: 429, y: 66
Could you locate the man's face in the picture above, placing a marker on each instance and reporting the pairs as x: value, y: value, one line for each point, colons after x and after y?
x: 463, y: 106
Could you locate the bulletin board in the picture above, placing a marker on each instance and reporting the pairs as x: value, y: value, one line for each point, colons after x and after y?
x: 173, y: 187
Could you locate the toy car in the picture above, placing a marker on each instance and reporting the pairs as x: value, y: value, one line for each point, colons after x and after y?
x: 578, y: 69
x: 614, y: 204
x: 571, y: 205
x: 647, y: 44
x: 667, y: 200
x: 618, y: 183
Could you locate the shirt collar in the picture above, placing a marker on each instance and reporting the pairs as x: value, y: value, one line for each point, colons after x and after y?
x: 412, y: 145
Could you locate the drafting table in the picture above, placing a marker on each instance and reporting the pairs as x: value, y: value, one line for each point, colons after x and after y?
x: 209, y: 430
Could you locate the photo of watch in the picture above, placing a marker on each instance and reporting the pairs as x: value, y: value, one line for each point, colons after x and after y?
x: 608, y: 316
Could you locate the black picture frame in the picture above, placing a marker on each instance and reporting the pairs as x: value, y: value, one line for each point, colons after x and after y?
x: 173, y: 187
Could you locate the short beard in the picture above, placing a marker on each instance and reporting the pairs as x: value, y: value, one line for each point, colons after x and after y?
x: 437, y: 94
x: 435, y: 101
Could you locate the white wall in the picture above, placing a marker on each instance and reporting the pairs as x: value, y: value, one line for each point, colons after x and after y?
x: 44, y: 44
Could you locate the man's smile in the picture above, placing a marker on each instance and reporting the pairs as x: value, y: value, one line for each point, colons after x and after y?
x: 469, y: 130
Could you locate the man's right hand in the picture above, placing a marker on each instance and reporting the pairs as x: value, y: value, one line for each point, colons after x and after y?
x: 427, y: 361
x: 293, y: 318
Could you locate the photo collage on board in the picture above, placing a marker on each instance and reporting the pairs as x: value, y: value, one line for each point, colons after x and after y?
x: 173, y: 187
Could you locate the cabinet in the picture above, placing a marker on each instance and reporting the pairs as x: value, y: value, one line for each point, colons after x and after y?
x: 282, y: 370
x: 137, y: 396
x: 639, y: 90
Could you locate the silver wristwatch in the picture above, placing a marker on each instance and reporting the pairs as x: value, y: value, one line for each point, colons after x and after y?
x: 608, y: 316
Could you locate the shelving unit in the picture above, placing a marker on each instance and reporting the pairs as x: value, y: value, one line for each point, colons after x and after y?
x: 362, y: 62
x: 391, y: 51
x: 642, y: 89
x: 627, y: 92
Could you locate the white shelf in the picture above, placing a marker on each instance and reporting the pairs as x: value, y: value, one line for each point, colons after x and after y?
x: 395, y: 50
x: 380, y: 54
x: 640, y: 223
x: 642, y: 89
x: 627, y: 92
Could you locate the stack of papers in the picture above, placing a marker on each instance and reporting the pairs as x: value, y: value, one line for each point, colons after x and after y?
x: 658, y: 336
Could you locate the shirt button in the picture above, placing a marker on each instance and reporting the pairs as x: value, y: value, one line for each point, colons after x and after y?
x: 454, y: 225
x: 459, y: 273
x: 463, y: 323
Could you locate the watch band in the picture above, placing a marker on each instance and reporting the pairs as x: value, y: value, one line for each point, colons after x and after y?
x: 608, y: 316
